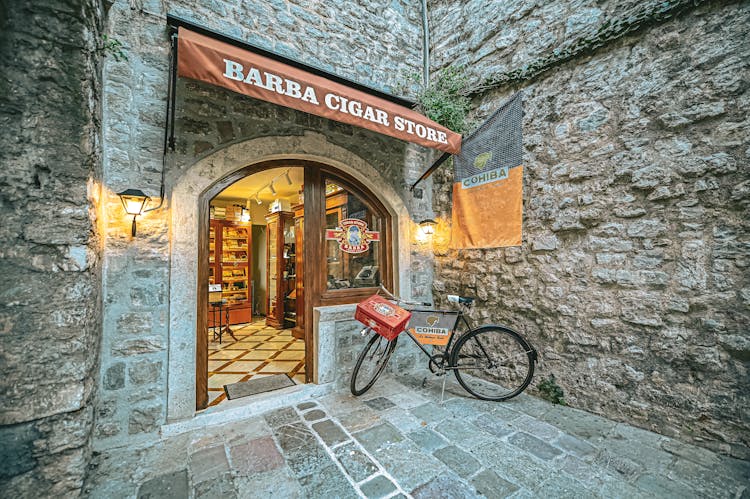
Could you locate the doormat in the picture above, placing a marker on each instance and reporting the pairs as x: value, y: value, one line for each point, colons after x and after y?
x: 257, y: 385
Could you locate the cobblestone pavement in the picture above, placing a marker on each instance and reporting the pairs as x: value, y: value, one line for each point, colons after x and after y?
x: 399, y: 440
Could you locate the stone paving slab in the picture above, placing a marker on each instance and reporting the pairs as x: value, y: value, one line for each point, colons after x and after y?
x: 399, y: 440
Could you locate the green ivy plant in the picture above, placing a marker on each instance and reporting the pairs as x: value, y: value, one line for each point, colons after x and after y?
x: 114, y: 47
x: 551, y: 391
x: 444, y: 100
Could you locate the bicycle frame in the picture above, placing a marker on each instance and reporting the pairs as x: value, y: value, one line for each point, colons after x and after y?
x: 459, y: 317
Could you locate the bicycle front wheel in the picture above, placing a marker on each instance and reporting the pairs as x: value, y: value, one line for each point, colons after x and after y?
x: 371, y: 363
x: 493, y: 362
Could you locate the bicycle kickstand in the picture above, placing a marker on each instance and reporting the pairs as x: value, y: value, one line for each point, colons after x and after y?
x: 442, y: 392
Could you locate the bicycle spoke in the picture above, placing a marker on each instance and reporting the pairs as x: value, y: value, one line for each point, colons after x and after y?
x: 493, y: 363
x: 371, y: 363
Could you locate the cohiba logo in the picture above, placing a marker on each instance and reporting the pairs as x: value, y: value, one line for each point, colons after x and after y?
x: 484, y: 176
x: 352, y: 235
x: 432, y: 320
x: 482, y: 159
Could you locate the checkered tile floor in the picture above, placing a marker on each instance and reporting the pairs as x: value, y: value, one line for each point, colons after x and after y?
x: 259, y: 351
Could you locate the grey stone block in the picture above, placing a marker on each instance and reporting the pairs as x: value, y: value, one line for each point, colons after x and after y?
x: 314, y: 415
x: 307, y: 460
x: 170, y: 486
x: 255, y: 456
x: 208, y: 464
x: 488, y: 484
x: 427, y: 439
x: 513, y: 464
x: 221, y: 486
x: 462, y: 463
x: 144, y: 420
x: 661, y: 486
x: 535, y: 446
x: 378, y: 437
x: 409, y: 473
x: 114, y: 376
x: 144, y: 372
x: 328, y: 482
x: 575, y: 446
x: 330, y: 432
x: 462, y: 433
x: 17, y: 450
x: 355, y: 462
x: 281, y: 417
x: 443, y: 486
x: 293, y: 436
x: 380, y: 403
x: 377, y: 487
x: 430, y: 413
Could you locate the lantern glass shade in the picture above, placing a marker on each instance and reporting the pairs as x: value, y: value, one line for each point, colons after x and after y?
x: 133, y: 200
x: 428, y: 226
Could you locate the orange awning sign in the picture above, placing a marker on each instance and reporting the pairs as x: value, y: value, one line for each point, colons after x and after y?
x: 222, y: 64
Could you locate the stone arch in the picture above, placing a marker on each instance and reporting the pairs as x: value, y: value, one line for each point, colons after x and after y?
x: 184, y: 202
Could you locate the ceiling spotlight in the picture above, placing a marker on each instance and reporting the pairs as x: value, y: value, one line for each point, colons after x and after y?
x: 257, y: 199
x: 270, y: 186
x: 288, y: 178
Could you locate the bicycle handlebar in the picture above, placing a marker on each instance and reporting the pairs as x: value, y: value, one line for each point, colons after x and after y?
x: 401, y: 300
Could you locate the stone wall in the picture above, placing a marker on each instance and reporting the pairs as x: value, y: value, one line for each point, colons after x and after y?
x: 356, y: 41
x: 49, y: 243
x: 632, y: 277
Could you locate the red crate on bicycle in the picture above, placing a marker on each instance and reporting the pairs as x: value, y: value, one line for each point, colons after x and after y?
x: 383, y: 316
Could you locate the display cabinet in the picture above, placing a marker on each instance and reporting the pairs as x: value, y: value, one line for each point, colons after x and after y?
x: 280, y: 270
x: 228, y: 256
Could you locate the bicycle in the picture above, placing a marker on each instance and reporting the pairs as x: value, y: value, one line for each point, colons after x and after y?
x: 491, y: 362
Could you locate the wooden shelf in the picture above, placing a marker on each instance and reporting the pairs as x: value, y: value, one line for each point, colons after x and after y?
x: 224, y: 235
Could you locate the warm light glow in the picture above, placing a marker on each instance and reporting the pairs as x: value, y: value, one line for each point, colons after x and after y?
x: 428, y: 226
x: 133, y: 200
x: 133, y: 206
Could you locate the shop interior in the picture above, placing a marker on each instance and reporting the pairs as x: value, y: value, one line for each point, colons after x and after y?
x: 254, y: 321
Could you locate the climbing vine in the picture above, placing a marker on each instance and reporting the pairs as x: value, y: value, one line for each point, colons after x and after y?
x: 114, y: 47
x: 444, y: 100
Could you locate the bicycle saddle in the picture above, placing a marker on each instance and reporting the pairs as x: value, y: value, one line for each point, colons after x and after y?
x: 465, y: 300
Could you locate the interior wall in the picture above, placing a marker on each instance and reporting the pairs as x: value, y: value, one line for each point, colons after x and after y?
x: 260, y: 295
x: 632, y: 277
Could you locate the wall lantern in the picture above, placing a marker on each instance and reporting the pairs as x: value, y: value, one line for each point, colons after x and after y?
x: 133, y: 200
x: 428, y: 226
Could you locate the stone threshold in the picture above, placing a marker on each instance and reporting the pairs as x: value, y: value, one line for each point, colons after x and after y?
x: 245, y: 408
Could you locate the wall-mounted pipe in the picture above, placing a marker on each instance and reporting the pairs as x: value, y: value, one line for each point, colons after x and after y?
x: 425, y: 46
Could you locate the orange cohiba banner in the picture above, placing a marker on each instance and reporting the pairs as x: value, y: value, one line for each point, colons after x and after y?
x: 489, y: 216
x: 218, y: 63
x: 488, y: 187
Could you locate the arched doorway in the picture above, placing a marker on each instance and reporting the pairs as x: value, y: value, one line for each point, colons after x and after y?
x: 185, y: 201
x: 344, y: 244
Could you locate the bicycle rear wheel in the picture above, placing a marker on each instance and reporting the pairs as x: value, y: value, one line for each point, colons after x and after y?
x: 493, y: 362
x: 371, y: 363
